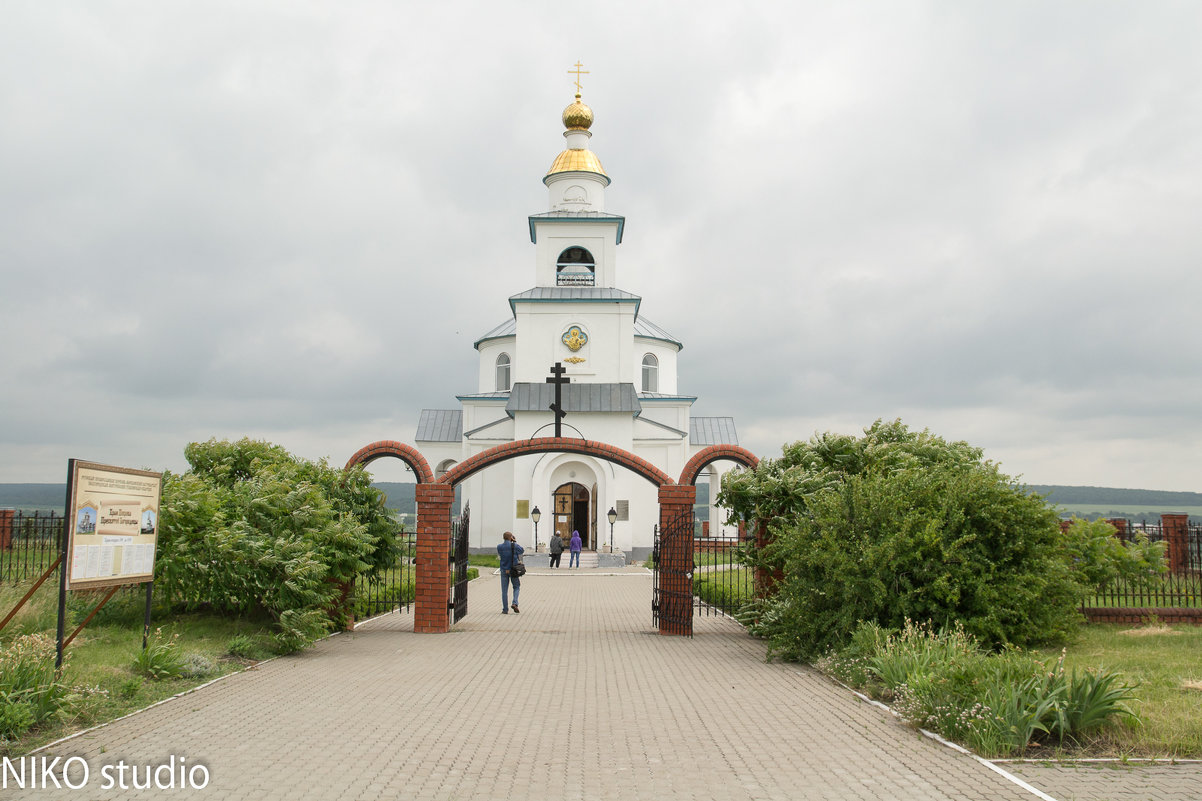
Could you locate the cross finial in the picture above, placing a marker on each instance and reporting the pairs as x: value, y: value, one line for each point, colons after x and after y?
x: 578, y: 73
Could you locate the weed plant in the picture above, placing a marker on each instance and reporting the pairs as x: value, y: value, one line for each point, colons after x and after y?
x: 997, y: 704
x: 161, y: 658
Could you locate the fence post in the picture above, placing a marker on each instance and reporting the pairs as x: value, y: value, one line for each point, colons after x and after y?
x: 1173, y: 527
x: 1120, y: 527
x: 6, y: 529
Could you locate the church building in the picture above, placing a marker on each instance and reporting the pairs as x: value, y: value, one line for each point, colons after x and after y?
x: 575, y: 323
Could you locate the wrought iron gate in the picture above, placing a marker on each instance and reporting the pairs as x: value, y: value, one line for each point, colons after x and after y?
x: 672, y: 576
x: 459, y: 532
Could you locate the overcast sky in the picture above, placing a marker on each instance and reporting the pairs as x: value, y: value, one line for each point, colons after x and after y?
x: 291, y: 220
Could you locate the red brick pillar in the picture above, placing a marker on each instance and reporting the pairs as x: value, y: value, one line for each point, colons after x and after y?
x: 1120, y: 527
x: 430, y: 613
x: 6, y: 529
x: 1065, y: 525
x: 1173, y: 528
x: 676, y: 560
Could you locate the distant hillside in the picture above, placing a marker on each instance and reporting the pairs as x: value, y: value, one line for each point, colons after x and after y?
x: 33, y: 497
x: 46, y: 497
x: 1066, y: 496
x: 400, y: 497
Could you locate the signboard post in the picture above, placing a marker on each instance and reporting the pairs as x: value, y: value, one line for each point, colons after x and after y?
x: 112, y: 526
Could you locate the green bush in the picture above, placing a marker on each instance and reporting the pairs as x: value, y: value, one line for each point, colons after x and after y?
x: 902, y: 525
x: 252, y: 528
x: 1099, y: 558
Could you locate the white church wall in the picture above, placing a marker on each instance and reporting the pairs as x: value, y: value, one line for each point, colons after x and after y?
x: 540, y: 327
x: 665, y: 354
x: 576, y: 192
x: 489, y: 351
x: 670, y: 412
x: 490, y: 493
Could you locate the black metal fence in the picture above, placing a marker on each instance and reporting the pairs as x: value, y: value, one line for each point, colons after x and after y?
x: 722, y: 580
x: 1179, y: 587
x: 390, y: 588
x: 459, y: 562
x: 29, y: 544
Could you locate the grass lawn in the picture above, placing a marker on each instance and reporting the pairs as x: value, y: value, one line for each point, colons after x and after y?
x: 102, y: 656
x: 728, y: 589
x: 1131, y: 511
x: 1167, y: 664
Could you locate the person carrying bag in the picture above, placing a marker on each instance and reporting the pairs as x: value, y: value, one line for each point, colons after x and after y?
x: 512, y: 570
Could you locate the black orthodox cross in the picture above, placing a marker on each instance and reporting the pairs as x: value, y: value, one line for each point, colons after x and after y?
x: 558, y: 380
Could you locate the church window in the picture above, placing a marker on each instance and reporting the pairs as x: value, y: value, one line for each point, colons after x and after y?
x: 503, y: 373
x: 650, y: 373
x: 575, y: 267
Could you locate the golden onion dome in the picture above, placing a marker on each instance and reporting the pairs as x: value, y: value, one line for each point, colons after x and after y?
x: 577, y: 161
x: 577, y: 117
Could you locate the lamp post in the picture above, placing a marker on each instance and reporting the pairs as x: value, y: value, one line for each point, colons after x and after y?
x: 536, y: 516
x: 613, y: 518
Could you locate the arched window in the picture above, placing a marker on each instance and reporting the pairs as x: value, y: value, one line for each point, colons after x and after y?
x: 575, y: 267
x: 650, y: 373
x: 503, y: 373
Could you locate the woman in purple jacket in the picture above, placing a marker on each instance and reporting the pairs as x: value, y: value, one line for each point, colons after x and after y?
x: 574, y: 547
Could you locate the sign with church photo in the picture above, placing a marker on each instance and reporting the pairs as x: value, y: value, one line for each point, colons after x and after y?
x: 112, y: 524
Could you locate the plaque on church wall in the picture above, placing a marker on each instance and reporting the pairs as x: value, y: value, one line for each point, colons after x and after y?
x: 523, y: 510
x: 623, y: 510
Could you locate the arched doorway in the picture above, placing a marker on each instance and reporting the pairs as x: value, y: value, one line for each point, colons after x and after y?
x: 575, y: 510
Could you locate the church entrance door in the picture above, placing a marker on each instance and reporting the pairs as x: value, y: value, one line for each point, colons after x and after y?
x: 572, y: 502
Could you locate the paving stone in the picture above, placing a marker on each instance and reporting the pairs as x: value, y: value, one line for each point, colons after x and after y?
x: 575, y: 698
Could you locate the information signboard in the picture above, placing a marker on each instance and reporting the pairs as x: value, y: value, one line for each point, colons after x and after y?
x: 112, y: 525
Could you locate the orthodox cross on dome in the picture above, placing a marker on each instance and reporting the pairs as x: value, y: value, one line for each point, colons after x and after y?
x: 558, y: 379
x: 578, y: 72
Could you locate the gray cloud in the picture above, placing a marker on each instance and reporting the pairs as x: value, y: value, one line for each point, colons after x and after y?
x: 292, y: 220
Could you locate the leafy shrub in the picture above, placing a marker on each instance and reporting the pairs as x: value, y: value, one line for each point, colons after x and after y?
x: 252, y: 528
x: 899, y: 525
x: 1099, y: 559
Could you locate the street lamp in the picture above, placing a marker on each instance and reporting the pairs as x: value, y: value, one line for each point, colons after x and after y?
x: 613, y: 518
x: 536, y: 516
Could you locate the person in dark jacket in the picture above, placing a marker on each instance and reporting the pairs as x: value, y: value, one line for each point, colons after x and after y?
x: 509, y: 551
x: 556, y: 549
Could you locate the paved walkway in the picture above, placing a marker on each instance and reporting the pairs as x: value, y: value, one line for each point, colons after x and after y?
x: 575, y: 698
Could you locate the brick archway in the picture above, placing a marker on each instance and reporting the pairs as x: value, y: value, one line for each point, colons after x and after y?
x: 434, y: 499
x: 715, y: 453
x: 387, y: 447
x: 584, y: 447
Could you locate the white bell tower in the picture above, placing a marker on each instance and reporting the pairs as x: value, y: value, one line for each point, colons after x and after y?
x: 576, y: 239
